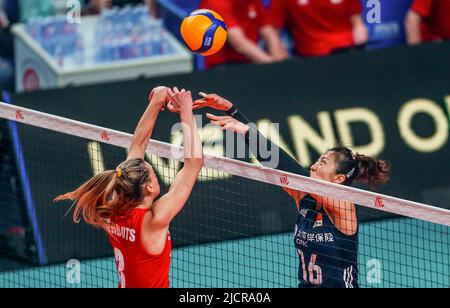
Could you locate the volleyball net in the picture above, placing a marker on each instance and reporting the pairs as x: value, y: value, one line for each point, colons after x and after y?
x: 236, y: 230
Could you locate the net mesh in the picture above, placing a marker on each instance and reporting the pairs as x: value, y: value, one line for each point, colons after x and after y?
x: 235, y: 231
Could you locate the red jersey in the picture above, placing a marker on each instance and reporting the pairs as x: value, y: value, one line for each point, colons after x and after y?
x: 436, y: 18
x: 137, y: 268
x: 249, y: 15
x: 317, y: 26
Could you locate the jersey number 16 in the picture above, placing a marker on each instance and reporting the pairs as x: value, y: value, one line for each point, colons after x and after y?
x: 314, y: 271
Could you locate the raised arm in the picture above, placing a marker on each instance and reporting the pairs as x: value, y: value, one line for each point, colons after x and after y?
x: 143, y: 132
x: 168, y: 206
x: 359, y: 30
x: 237, y: 122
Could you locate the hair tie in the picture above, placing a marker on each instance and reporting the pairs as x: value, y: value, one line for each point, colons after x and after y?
x: 118, y: 172
x: 351, y: 173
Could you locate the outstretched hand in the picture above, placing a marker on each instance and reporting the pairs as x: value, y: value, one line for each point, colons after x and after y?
x: 180, y: 101
x: 228, y: 123
x: 213, y: 101
x: 160, y: 96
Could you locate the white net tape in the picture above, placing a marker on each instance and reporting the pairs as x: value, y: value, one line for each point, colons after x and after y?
x: 238, y: 168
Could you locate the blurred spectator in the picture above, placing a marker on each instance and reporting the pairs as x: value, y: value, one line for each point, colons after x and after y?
x: 321, y: 27
x: 428, y: 20
x: 247, y: 21
x: 6, y: 75
x: 6, y: 51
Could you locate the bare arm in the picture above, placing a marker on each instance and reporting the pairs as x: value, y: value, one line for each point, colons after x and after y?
x: 144, y: 129
x: 360, y: 33
x: 166, y: 208
x: 274, y: 43
x: 412, y: 27
x: 246, y: 47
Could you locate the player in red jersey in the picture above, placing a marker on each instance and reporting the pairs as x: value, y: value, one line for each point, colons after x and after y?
x: 428, y: 20
x: 321, y: 27
x: 247, y: 21
x: 122, y: 201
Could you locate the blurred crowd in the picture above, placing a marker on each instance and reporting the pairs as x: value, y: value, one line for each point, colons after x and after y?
x: 317, y: 27
x: 258, y: 29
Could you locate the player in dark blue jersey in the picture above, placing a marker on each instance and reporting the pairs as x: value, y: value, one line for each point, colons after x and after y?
x: 326, y: 232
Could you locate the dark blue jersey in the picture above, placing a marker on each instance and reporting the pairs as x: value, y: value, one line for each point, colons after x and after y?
x: 328, y: 258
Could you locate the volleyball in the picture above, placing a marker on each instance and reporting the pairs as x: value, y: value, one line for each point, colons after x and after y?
x: 204, y: 32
